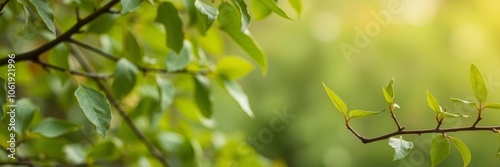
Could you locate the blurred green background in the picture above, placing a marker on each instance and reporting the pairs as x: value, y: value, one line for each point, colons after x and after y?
x: 428, y: 46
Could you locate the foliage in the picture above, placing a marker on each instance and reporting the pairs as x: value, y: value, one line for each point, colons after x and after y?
x: 440, y: 146
x: 134, y: 73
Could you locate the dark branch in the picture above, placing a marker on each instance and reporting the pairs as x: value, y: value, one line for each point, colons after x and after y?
x: 2, y: 5
x: 72, y: 72
x: 33, y: 54
x: 419, y: 132
x: 152, y: 148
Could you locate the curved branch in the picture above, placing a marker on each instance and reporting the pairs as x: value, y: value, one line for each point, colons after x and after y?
x: 33, y: 54
x: 152, y: 148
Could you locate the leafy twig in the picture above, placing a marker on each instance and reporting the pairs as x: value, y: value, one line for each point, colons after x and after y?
x: 152, y: 148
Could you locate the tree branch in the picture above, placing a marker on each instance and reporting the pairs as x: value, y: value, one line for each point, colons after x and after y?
x: 142, y: 68
x: 33, y: 54
x: 423, y: 131
x: 72, y: 72
x: 152, y: 148
x: 2, y: 5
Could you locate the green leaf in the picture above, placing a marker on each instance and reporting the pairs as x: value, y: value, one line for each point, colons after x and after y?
x: 130, y: 5
x: 440, y: 148
x: 362, y: 113
x: 260, y: 10
x: 433, y: 103
x: 206, y: 15
x: 102, y: 24
x: 29, y: 27
x: 233, y: 67
x: 131, y: 48
x: 273, y: 6
x: 96, y: 108
x: 45, y: 12
x: 167, y: 92
x: 245, y: 17
x: 401, y: 147
x: 24, y: 114
x: 456, y: 100
x: 52, y: 128
x: 106, y: 150
x: 231, y: 24
x: 387, y: 96
x: 179, y: 61
x: 462, y: 148
x: 237, y: 93
x: 494, y: 106
x: 453, y: 115
x: 339, y: 104
x: 202, y: 95
x: 125, y: 77
x: 478, y: 85
x: 390, y: 89
x: 169, y: 17
x: 3, y: 96
x: 75, y: 153
x: 297, y: 5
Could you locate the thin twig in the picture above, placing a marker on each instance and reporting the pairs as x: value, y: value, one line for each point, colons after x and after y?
x: 93, y: 49
x: 479, y: 115
x: 33, y: 54
x: 393, y: 116
x: 72, y: 72
x: 142, y: 68
x: 152, y: 148
x: 77, y: 13
x: 2, y: 5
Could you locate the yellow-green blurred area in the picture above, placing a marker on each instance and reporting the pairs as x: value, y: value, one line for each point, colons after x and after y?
x: 429, y: 45
x: 354, y: 47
